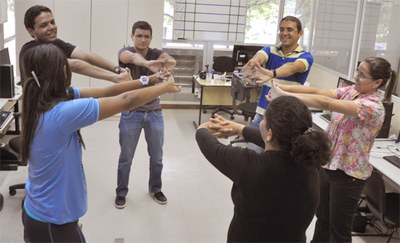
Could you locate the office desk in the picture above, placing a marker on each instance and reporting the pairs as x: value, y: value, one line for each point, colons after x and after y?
x: 381, y: 148
x: 11, y: 104
x: 215, y: 92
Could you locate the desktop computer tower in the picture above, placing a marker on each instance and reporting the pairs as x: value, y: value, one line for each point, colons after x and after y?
x: 6, y: 81
x: 384, y: 132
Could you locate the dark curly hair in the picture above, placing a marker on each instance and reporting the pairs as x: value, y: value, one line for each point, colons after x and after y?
x: 290, y: 121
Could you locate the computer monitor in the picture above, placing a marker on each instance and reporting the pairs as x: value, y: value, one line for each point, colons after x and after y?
x: 398, y: 138
x: 4, y: 56
x: 243, y: 53
x: 342, y: 82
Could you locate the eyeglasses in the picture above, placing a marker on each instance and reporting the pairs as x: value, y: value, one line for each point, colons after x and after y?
x: 289, y: 30
x: 361, y: 75
x: 146, y: 37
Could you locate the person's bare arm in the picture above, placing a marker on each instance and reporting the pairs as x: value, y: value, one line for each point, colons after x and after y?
x: 263, y: 75
x: 137, y: 59
x: 87, y: 69
x: 314, y: 97
x: 93, y: 59
x: 121, y: 97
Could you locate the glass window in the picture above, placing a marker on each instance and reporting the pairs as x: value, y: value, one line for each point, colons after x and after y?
x: 380, y: 35
x: 9, y: 33
x: 333, y: 34
x: 262, y: 22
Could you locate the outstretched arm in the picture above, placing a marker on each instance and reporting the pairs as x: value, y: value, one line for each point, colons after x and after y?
x: 137, y: 59
x: 117, y: 89
x: 314, y: 97
x: 131, y: 99
x: 87, y: 69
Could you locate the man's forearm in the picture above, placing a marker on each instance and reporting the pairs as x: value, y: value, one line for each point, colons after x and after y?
x: 85, y: 68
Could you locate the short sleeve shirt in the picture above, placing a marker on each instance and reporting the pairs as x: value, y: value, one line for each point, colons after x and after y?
x: 353, y: 137
x: 56, y: 184
x: 137, y: 71
x: 276, y: 58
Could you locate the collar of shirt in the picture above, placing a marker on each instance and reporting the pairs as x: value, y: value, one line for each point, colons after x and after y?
x: 297, y: 50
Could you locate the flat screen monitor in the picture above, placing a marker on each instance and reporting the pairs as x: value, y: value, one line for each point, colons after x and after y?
x: 243, y: 53
x: 342, y: 82
x: 4, y: 56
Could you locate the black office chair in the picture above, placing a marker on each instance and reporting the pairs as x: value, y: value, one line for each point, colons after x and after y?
x: 14, y: 144
x: 385, y: 207
x: 8, y: 161
x: 240, y: 91
x: 221, y: 65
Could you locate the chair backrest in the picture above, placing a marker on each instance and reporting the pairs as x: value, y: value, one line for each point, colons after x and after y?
x: 374, y: 190
x: 223, y: 64
x: 238, y: 90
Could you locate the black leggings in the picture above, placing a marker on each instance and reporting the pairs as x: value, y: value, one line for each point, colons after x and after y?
x: 37, y: 231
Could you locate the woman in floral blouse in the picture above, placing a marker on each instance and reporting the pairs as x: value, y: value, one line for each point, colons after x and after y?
x: 358, y: 115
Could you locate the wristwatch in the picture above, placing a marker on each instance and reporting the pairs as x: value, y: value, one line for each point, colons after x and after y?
x: 117, y: 69
x: 144, y: 80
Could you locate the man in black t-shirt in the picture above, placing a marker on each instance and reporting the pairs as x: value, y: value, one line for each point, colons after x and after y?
x: 39, y: 22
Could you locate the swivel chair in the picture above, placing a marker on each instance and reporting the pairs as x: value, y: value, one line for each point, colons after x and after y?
x: 385, y: 207
x: 221, y: 65
x: 8, y: 161
x: 240, y: 91
x: 14, y: 145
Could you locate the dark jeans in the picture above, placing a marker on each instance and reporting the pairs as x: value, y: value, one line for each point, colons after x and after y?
x: 37, y: 231
x: 339, y: 196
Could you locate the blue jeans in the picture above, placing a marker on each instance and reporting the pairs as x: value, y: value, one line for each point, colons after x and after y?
x: 130, y: 127
x: 256, y: 124
x: 338, y: 201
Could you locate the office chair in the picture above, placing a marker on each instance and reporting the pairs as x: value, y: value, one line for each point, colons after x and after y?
x: 385, y: 207
x: 8, y: 161
x: 240, y: 91
x: 15, y: 146
x: 221, y: 65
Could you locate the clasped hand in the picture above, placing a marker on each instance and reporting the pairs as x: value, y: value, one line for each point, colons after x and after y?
x: 221, y: 128
x: 253, y: 71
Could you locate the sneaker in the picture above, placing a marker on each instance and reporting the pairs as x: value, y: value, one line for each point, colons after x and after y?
x: 159, y: 197
x: 120, y: 202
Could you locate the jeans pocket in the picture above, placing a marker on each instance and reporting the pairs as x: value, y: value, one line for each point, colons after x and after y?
x: 157, y: 112
x: 127, y: 114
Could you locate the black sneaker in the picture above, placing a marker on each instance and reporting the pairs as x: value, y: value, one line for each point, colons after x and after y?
x: 120, y: 202
x: 159, y: 197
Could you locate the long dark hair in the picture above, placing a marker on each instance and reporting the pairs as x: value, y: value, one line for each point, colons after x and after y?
x: 290, y: 121
x: 50, y: 66
x: 380, y: 68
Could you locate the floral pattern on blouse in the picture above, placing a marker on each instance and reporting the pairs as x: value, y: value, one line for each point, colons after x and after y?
x: 353, y: 137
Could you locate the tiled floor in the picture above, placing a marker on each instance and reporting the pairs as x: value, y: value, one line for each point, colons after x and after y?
x: 199, y: 207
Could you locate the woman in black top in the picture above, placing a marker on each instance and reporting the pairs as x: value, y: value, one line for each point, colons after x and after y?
x: 275, y: 193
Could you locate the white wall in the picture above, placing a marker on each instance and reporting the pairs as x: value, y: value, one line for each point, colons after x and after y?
x: 100, y: 26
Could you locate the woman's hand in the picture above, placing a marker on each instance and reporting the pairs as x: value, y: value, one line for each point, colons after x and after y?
x: 172, y: 88
x: 222, y: 128
x: 275, y: 92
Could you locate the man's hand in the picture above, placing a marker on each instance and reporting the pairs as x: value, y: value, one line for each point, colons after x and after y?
x: 155, y: 65
x: 125, y: 75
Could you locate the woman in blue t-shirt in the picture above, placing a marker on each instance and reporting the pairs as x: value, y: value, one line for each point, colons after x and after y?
x: 52, y: 114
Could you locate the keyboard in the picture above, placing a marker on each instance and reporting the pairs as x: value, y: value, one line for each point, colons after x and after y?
x: 393, y: 159
x: 326, y: 116
x: 5, y: 117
